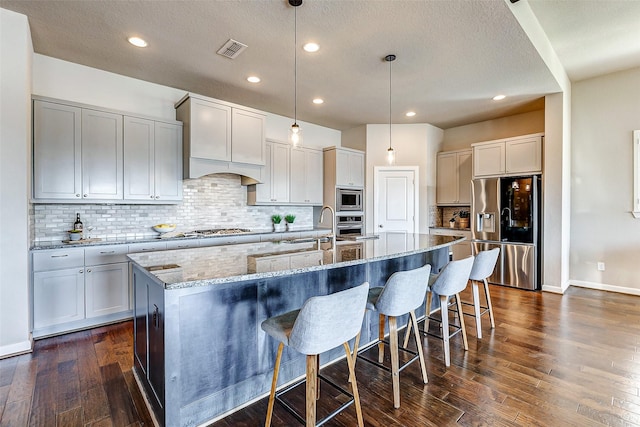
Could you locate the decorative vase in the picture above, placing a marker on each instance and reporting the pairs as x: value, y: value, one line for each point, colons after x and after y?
x: 464, y: 222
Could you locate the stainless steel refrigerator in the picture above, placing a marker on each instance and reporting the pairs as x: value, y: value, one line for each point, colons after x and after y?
x: 506, y: 214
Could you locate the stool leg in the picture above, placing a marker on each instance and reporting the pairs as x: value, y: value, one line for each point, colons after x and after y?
x: 351, y: 362
x: 476, y: 307
x: 464, y: 330
x: 445, y: 328
x: 486, y: 293
x: 395, y: 364
x: 423, y: 367
x: 312, y: 374
x: 380, y: 338
x: 407, y: 332
x: 355, y: 354
x: 274, y: 382
x: 317, y: 378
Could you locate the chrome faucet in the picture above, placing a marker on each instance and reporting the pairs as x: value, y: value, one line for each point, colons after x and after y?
x: 333, y: 224
x: 508, y: 216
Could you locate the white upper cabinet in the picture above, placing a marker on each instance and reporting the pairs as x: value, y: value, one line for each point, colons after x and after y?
x: 84, y: 154
x: 306, y: 176
x: 488, y: 159
x: 102, y: 153
x: 524, y: 155
x: 248, y: 137
x: 275, y: 188
x: 343, y: 167
x: 210, y: 130
x: 152, y: 160
x: 220, y: 137
x: 453, y: 183
x: 57, y: 151
x: 77, y: 153
x: 512, y: 156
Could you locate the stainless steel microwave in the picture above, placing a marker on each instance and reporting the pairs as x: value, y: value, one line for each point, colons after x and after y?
x: 349, y: 200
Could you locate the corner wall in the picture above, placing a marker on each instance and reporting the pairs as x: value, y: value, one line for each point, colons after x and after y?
x: 606, y: 110
x: 16, y: 52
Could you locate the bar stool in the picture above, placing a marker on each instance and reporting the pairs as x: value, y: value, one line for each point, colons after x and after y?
x: 449, y: 283
x: 483, y: 267
x: 323, y: 323
x: 403, y: 292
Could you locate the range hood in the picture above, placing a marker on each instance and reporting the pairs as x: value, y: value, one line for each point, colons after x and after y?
x: 195, y: 167
x: 220, y: 137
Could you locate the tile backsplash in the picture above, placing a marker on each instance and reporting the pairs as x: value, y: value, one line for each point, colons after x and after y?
x: 213, y: 201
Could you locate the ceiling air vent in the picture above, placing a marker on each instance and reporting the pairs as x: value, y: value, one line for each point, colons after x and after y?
x: 232, y: 49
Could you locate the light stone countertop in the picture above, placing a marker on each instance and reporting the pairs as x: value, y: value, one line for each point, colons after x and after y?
x: 212, y: 265
x: 59, y: 244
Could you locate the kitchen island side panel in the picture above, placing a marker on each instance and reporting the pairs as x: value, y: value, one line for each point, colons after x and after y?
x: 217, y: 357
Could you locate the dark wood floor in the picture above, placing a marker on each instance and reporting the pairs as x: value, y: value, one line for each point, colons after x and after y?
x: 571, y: 360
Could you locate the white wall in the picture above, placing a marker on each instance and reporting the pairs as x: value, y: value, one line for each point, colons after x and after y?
x: 16, y: 52
x: 461, y: 137
x: 65, y: 80
x: 414, y: 145
x: 606, y: 110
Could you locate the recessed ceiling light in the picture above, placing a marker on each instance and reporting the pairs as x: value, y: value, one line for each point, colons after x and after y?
x: 318, y: 101
x: 311, y: 47
x: 137, y: 41
x: 253, y: 79
x: 410, y: 113
x: 499, y: 97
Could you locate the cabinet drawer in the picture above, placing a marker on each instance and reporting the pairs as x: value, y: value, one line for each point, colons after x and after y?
x: 182, y: 244
x: 106, y: 254
x: 58, y: 259
x: 147, y: 247
x: 309, y: 259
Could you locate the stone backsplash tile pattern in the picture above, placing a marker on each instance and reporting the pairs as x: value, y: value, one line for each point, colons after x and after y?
x: 213, y: 201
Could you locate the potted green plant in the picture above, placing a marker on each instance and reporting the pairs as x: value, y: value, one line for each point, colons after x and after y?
x: 290, y: 220
x: 276, y: 220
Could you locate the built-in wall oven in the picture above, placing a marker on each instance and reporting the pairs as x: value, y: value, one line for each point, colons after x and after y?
x: 348, y: 199
x: 349, y: 225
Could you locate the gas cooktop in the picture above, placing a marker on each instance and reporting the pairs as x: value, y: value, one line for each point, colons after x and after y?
x: 217, y: 231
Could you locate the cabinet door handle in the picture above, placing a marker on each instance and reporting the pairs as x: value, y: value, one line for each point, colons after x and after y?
x: 59, y: 256
x: 84, y: 195
x: 89, y: 271
x: 107, y: 252
x: 77, y: 195
x: 156, y: 316
x: 80, y: 271
x: 157, y: 197
x: 151, y: 197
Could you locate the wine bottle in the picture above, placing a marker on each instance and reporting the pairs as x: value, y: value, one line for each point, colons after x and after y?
x: 78, y: 224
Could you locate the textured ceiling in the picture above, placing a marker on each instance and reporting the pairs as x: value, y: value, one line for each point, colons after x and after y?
x: 453, y: 56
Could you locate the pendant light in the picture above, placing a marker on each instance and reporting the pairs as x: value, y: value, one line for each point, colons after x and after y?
x: 391, y: 155
x: 295, y: 133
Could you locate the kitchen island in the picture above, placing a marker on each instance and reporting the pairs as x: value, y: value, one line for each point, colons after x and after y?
x: 199, y: 349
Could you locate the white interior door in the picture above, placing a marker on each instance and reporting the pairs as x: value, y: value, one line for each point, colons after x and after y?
x: 396, y: 199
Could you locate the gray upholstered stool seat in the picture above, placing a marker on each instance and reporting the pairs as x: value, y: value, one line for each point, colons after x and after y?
x: 403, y: 292
x: 483, y: 267
x: 323, y: 323
x: 447, y: 284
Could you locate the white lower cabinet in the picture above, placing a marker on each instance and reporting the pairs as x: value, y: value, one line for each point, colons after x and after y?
x: 58, y: 296
x: 107, y: 289
x: 79, y: 288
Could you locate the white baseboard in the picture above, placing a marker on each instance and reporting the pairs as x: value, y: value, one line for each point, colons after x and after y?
x: 605, y: 287
x: 16, y: 349
x: 553, y: 289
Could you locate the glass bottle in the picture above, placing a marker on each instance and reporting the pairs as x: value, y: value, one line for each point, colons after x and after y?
x: 78, y: 224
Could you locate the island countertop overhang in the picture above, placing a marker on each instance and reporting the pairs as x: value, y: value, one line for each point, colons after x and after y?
x: 185, y: 268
